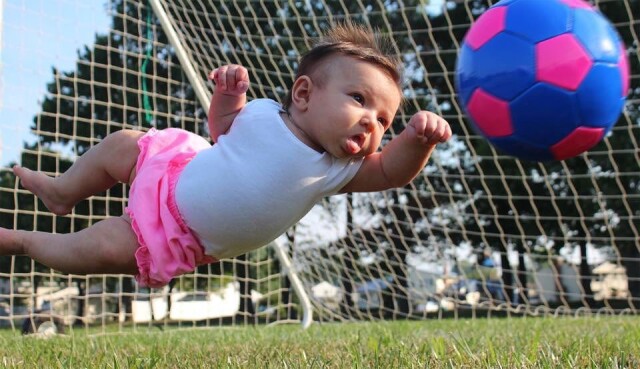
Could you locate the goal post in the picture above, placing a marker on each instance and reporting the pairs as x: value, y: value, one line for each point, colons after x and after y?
x: 476, y: 234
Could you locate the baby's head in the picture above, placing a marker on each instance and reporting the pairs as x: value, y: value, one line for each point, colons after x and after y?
x: 355, y: 41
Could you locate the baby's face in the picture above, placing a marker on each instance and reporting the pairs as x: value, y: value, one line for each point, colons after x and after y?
x: 352, y: 107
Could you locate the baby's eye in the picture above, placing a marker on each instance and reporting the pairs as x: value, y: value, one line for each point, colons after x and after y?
x: 358, y: 98
x: 382, y: 121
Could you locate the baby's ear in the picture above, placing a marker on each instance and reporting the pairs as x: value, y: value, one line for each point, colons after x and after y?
x: 301, y: 92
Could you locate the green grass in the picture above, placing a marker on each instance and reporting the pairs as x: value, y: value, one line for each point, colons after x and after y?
x: 607, y: 342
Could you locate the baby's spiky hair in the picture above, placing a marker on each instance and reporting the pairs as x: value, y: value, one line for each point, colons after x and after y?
x: 356, y: 41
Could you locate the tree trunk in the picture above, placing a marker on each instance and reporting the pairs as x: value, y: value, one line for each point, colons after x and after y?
x: 246, y: 310
x: 585, y: 274
x: 521, y: 279
x: 82, y: 303
x: 631, y: 262
x: 172, y: 284
x: 507, y: 276
x: 126, y: 299
x: 286, y: 295
x: 347, y: 285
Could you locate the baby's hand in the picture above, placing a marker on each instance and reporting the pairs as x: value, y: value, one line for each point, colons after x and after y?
x: 428, y: 128
x: 230, y: 79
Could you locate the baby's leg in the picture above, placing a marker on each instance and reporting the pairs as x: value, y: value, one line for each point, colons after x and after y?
x: 111, y: 161
x: 108, y: 246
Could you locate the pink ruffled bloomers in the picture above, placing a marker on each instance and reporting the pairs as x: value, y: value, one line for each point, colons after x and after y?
x: 167, y: 247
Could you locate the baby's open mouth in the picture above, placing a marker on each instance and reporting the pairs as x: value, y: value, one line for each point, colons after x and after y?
x: 355, y: 143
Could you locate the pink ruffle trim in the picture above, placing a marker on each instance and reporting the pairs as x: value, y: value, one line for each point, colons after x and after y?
x: 179, y: 251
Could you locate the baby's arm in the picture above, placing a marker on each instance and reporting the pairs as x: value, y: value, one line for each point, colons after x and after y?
x: 229, y: 97
x: 402, y: 159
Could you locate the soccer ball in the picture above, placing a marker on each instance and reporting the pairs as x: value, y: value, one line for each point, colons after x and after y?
x: 542, y: 79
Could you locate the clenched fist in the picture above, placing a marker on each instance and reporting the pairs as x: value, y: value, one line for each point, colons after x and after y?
x: 230, y: 79
x: 428, y: 128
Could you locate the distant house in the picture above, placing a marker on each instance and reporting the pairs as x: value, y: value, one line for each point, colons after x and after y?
x: 190, y: 306
x: 64, y: 302
x: 546, y: 282
x: 611, y: 281
x: 327, y: 294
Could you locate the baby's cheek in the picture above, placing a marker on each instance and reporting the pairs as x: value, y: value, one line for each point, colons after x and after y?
x: 375, y: 145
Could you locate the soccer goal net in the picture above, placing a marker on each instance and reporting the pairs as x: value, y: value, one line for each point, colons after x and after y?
x: 477, y: 233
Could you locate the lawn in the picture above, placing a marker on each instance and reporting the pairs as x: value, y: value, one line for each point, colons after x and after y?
x: 604, y: 342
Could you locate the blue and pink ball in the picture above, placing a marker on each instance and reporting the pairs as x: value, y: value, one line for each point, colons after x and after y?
x: 542, y: 79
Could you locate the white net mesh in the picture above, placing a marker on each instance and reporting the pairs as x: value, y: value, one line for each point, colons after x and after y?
x: 125, y: 77
x: 477, y: 232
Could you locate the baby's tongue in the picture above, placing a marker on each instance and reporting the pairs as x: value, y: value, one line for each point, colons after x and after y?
x: 352, y: 146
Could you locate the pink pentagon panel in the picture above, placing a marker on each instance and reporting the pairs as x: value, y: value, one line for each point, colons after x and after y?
x: 490, y: 114
x: 623, y: 64
x: 486, y: 27
x: 562, y: 61
x: 577, y: 142
x: 577, y: 4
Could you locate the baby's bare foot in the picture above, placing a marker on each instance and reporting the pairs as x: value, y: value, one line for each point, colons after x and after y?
x: 44, y: 188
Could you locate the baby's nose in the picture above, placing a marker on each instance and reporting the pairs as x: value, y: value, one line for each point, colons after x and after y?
x: 368, y: 124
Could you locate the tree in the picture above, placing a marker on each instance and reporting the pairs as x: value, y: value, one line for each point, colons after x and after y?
x: 114, y: 85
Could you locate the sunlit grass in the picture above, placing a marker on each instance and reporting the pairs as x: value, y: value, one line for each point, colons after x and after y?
x: 608, y: 342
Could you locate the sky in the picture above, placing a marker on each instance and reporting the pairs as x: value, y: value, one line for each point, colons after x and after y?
x: 36, y: 35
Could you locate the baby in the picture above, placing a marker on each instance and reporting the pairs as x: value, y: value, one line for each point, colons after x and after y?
x: 192, y: 203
